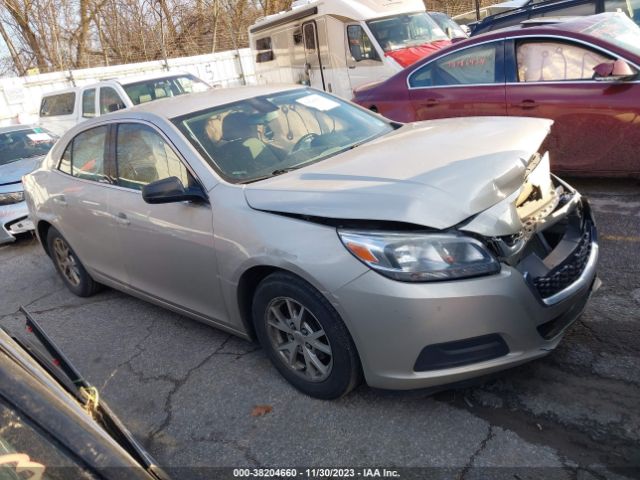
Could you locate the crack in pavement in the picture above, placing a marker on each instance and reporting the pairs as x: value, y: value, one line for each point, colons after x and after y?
x: 474, y: 455
x: 177, y: 384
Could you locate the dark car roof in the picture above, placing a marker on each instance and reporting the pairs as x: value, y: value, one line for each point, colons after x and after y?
x: 527, y: 8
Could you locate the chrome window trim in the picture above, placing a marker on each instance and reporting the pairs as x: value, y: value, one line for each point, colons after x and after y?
x: 110, y: 122
x: 518, y: 37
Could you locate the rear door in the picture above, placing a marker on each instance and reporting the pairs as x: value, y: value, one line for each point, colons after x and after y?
x: 81, y: 184
x: 167, y: 248
x: 463, y: 83
x: 595, y: 121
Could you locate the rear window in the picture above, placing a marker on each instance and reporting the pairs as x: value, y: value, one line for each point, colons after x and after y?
x: 156, y: 89
x: 61, y: 104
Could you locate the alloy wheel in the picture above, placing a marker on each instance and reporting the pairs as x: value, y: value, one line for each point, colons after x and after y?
x: 299, y: 339
x: 66, y: 261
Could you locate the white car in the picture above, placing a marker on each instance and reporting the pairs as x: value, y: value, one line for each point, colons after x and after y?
x: 61, y: 110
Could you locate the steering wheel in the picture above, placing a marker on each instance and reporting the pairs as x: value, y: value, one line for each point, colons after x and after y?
x: 306, y: 139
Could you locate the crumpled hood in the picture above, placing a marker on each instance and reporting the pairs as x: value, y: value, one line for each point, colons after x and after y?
x: 410, y: 55
x: 13, y: 172
x: 435, y: 173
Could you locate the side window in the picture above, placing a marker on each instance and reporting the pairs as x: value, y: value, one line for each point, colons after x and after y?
x: 110, y: 101
x: 143, y: 156
x: 265, y: 52
x: 360, y: 45
x: 65, y: 161
x: 53, y: 105
x: 552, y: 61
x: 89, y: 103
x: 475, y: 65
x: 86, y: 155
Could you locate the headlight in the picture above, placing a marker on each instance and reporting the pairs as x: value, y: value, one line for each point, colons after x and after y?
x: 414, y: 257
x: 12, y: 197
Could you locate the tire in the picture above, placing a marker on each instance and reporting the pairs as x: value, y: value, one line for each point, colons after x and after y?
x: 68, y: 265
x: 320, y: 338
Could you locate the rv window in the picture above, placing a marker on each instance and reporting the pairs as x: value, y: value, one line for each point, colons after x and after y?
x: 297, y: 37
x: 263, y: 43
x: 360, y: 45
x: 61, y: 104
x: 309, y: 36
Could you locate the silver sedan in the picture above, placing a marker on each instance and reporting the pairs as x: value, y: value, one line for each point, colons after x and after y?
x: 348, y: 245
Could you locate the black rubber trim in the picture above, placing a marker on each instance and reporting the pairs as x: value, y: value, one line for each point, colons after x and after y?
x: 461, y: 352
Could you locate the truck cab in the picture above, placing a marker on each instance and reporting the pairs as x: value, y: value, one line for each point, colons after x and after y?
x: 339, y: 45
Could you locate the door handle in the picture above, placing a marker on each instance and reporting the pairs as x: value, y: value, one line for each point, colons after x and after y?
x: 527, y: 104
x: 122, y: 219
x: 60, y: 200
x: 431, y: 102
x: 352, y: 67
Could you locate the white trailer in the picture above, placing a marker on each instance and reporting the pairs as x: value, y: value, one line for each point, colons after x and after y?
x: 337, y: 45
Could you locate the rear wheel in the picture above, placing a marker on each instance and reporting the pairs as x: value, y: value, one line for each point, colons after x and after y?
x: 305, y: 337
x: 73, y: 273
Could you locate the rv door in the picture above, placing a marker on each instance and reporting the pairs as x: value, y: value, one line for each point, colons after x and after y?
x: 313, y: 66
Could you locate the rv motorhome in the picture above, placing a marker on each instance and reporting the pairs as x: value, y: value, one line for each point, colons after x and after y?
x: 338, y: 45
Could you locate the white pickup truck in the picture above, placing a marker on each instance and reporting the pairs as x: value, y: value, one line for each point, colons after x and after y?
x: 61, y: 110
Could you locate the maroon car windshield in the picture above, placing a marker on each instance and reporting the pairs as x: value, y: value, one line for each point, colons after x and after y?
x: 618, y: 29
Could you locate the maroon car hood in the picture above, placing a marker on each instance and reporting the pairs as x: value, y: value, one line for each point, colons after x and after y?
x: 410, y: 55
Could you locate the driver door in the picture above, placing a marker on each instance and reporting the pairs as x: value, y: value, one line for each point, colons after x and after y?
x: 167, y: 248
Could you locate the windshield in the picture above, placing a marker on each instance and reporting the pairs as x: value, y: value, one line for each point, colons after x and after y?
x: 26, y: 143
x: 408, y: 30
x: 264, y: 136
x: 618, y: 29
x: 157, y: 88
x: 449, y: 26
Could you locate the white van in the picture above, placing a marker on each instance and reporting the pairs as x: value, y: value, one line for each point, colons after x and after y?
x: 338, y: 45
x: 61, y: 110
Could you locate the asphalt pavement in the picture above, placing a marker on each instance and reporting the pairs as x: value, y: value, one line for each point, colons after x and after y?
x: 187, y: 390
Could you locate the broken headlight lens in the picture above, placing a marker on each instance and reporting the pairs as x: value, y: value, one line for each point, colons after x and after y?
x: 10, y: 198
x: 414, y: 257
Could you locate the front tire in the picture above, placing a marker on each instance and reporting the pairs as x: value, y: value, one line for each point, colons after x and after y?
x: 68, y: 265
x: 305, y: 337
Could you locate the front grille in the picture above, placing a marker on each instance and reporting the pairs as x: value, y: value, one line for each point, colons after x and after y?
x: 570, y: 270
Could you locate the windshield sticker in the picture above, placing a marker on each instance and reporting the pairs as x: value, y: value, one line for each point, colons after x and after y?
x: 318, y: 102
x: 39, y: 137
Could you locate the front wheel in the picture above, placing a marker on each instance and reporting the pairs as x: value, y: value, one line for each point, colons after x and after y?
x: 305, y: 337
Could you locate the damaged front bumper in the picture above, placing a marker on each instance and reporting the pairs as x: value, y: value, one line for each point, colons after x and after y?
x: 14, y: 217
x: 429, y: 334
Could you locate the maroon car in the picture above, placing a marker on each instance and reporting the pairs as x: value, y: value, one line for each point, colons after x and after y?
x: 582, y: 73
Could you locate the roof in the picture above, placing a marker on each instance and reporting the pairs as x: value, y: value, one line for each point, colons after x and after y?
x: 353, y: 9
x: 181, y: 105
x: 15, y: 128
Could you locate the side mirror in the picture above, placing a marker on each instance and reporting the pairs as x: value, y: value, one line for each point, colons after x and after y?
x: 171, y: 190
x: 613, y: 71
